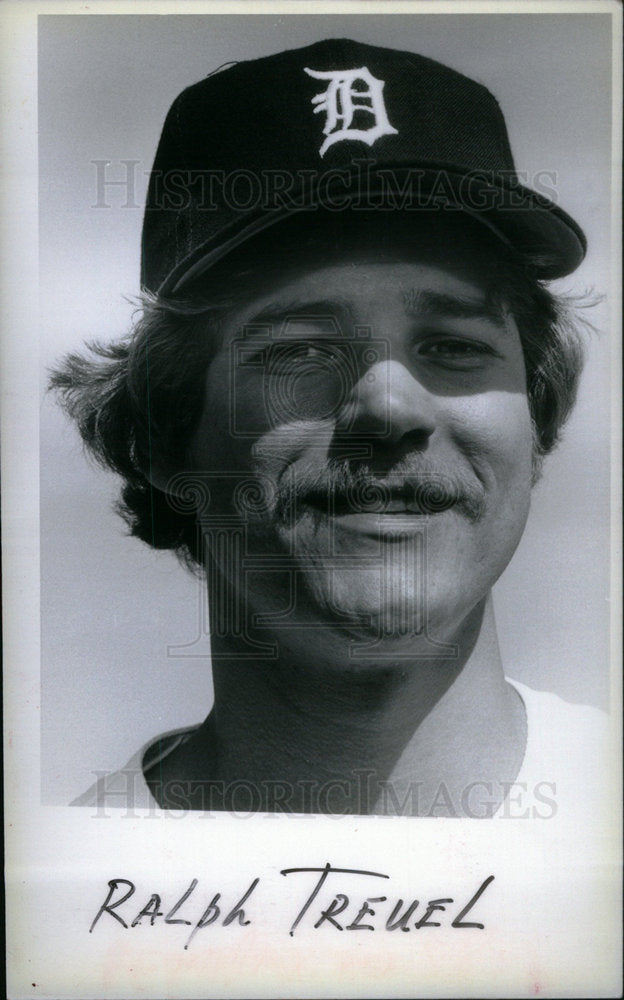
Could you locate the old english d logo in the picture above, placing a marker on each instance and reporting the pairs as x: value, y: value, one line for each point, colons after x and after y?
x: 341, y: 100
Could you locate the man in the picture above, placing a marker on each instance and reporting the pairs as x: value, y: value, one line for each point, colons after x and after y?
x: 345, y: 379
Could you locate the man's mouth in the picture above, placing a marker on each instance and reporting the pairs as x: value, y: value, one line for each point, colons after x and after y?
x: 422, y: 498
x: 337, y: 491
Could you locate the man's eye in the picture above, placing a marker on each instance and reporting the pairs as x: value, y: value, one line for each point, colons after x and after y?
x: 300, y: 356
x: 456, y: 351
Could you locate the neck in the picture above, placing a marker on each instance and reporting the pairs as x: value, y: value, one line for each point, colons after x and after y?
x: 313, y: 731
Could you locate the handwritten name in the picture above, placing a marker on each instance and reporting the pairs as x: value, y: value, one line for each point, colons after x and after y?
x: 356, y: 913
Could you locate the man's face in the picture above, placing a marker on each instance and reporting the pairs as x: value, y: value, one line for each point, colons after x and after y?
x: 379, y: 410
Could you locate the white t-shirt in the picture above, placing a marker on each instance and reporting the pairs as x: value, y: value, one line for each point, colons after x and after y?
x: 563, y: 770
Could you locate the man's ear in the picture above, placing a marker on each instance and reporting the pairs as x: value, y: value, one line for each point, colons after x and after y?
x: 187, y: 490
x: 159, y: 477
x: 166, y: 473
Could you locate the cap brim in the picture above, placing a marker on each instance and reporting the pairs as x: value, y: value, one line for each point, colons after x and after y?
x: 534, y: 226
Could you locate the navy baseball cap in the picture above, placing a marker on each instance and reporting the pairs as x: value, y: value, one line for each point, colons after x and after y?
x: 337, y: 125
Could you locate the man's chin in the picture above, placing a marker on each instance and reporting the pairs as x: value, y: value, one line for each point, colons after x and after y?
x: 356, y: 613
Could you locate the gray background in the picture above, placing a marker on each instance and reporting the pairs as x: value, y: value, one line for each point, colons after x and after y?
x: 112, y: 609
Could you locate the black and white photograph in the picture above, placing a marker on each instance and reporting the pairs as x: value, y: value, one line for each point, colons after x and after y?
x: 311, y: 515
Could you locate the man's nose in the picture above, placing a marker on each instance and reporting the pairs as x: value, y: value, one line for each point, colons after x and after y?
x: 389, y: 402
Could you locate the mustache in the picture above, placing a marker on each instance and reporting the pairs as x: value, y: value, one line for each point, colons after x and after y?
x: 418, y: 487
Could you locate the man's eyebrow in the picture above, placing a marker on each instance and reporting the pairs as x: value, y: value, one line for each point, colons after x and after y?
x: 426, y: 302
x: 322, y: 309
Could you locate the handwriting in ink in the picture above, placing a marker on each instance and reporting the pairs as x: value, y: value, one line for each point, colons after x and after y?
x: 341, y: 902
x: 326, y: 905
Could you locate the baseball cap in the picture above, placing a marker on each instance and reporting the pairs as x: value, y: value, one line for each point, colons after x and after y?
x: 337, y: 125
